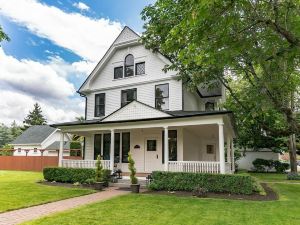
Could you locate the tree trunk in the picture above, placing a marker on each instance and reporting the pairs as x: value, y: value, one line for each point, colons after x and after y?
x: 292, y: 153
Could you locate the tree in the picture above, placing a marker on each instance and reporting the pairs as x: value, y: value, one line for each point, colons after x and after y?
x: 3, y: 36
x: 76, y: 137
x: 15, y: 129
x: 5, y: 135
x: 253, y: 42
x: 35, y: 117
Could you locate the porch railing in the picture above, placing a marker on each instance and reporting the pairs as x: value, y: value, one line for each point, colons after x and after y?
x: 194, y: 166
x: 84, y: 163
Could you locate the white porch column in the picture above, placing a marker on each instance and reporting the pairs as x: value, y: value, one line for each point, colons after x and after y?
x: 232, y: 157
x: 61, y: 149
x: 112, y: 149
x: 166, y: 147
x: 228, y: 142
x: 221, y: 148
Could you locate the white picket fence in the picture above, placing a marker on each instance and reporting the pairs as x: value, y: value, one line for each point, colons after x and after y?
x: 194, y: 166
x: 84, y: 163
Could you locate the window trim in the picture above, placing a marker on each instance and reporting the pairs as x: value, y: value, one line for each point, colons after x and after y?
x: 136, y: 68
x: 125, y: 66
x: 118, y: 67
x: 163, y: 97
x: 98, y: 94
x: 128, y: 90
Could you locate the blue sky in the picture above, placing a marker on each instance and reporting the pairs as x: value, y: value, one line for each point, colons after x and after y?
x: 54, y: 45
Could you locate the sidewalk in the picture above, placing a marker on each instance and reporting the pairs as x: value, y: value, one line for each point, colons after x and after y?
x: 34, y: 212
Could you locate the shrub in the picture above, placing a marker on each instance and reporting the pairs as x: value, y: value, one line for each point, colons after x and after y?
x: 224, y: 183
x: 132, y: 169
x: 90, y: 181
x: 73, y: 175
x: 293, y: 176
x: 75, y: 145
x: 261, y: 165
x: 99, y: 170
x: 280, y: 167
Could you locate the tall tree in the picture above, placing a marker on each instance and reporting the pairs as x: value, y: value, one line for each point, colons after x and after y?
x: 15, y: 129
x: 35, y: 117
x: 255, y: 42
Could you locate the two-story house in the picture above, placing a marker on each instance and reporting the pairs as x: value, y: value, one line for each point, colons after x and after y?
x: 132, y: 105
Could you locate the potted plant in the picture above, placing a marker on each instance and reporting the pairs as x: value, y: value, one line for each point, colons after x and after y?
x: 135, y: 187
x: 99, y: 184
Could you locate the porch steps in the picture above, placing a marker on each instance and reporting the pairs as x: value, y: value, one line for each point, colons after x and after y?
x: 125, y: 183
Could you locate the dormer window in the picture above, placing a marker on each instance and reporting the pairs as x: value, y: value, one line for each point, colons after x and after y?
x: 129, y: 66
x: 209, y: 106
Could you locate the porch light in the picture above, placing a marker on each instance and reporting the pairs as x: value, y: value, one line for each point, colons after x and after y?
x: 137, y: 147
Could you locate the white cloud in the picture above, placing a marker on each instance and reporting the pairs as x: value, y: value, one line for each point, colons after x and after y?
x: 85, y: 36
x: 81, y: 6
x: 24, y: 82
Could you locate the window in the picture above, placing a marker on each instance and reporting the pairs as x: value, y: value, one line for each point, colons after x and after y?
x: 210, y: 149
x: 140, y: 68
x: 118, y: 72
x: 117, y: 148
x: 19, y: 149
x: 128, y: 96
x: 209, y: 106
x: 162, y: 96
x: 129, y: 64
x: 97, y: 145
x: 172, y: 145
x: 100, y: 104
x: 35, y: 150
x: 125, y: 146
x: 106, y: 146
x: 151, y: 145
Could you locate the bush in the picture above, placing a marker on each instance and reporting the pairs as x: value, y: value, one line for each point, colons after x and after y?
x: 132, y: 169
x: 293, y: 176
x: 200, y: 192
x: 90, y: 181
x: 280, y: 167
x: 75, y: 145
x: 180, y: 181
x: 261, y: 165
x: 73, y: 175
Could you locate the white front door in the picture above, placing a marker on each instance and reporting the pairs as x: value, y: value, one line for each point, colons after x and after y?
x: 153, y: 160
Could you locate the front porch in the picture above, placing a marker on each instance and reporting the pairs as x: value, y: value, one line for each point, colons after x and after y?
x: 197, y: 147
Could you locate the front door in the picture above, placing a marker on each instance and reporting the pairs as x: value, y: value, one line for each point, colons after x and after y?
x: 152, y: 154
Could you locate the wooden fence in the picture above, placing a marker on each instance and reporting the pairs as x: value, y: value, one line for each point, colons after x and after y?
x: 30, y: 163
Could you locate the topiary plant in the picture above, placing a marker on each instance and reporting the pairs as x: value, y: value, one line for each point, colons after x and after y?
x: 99, y: 170
x: 132, y: 169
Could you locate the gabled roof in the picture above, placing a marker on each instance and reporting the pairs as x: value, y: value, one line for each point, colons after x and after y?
x: 135, y: 110
x: 127, y: 37
x: 34, y: 135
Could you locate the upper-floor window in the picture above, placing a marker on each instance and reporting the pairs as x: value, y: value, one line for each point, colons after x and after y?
x: 209, y: 106
x: 100, y: 104
x: 118, y: 72
x: 129, y: 66
x: 140, y: 68
x: 128, y: 96
x: 35, y: 150
x: 162, y: 96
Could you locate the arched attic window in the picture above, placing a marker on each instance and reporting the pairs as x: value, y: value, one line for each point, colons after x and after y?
x: 129, y: 65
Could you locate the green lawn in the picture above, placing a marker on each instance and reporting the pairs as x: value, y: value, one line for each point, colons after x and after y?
x: 19, y: 190
x: 156, y: 209
x: 273, y: 177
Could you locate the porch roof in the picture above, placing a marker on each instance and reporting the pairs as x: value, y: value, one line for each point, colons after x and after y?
x: 174, y: 115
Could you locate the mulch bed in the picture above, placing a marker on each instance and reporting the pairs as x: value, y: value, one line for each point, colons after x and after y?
x: 271, y: 195
x: 86, y: 186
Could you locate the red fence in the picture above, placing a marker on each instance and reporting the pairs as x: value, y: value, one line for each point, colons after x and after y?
x: 30, y: 163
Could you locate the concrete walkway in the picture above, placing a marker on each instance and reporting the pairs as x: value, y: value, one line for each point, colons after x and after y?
x: 34, y: 212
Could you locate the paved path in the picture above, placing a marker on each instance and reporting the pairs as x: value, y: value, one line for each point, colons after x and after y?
x: 34, y: 212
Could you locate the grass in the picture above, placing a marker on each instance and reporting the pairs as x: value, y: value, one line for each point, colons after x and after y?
x: 271, y: 177
x: 19, y: 190
x: 162, y: 210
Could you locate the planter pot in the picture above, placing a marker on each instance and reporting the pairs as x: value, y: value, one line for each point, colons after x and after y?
x: 135, y: 188
x: 99, y: 186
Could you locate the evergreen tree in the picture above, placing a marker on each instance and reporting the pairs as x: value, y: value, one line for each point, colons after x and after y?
x: 5, y: 135
x: 15, y: 129
x: 35, y: 117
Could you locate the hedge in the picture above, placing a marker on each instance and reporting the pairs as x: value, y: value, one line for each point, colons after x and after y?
x: 180, y: 181
x: 261, y: 165
x: 72, y: 175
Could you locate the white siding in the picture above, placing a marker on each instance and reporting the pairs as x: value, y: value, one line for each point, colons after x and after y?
x: 145, y: 94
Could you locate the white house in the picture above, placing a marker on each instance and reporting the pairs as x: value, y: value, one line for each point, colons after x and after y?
x: 40, y: 140
x: 132, y: 105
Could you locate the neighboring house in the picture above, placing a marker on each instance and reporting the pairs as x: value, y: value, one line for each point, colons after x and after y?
x: 132, y: 105
x: 40, y: 140
x: 245, y: 162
